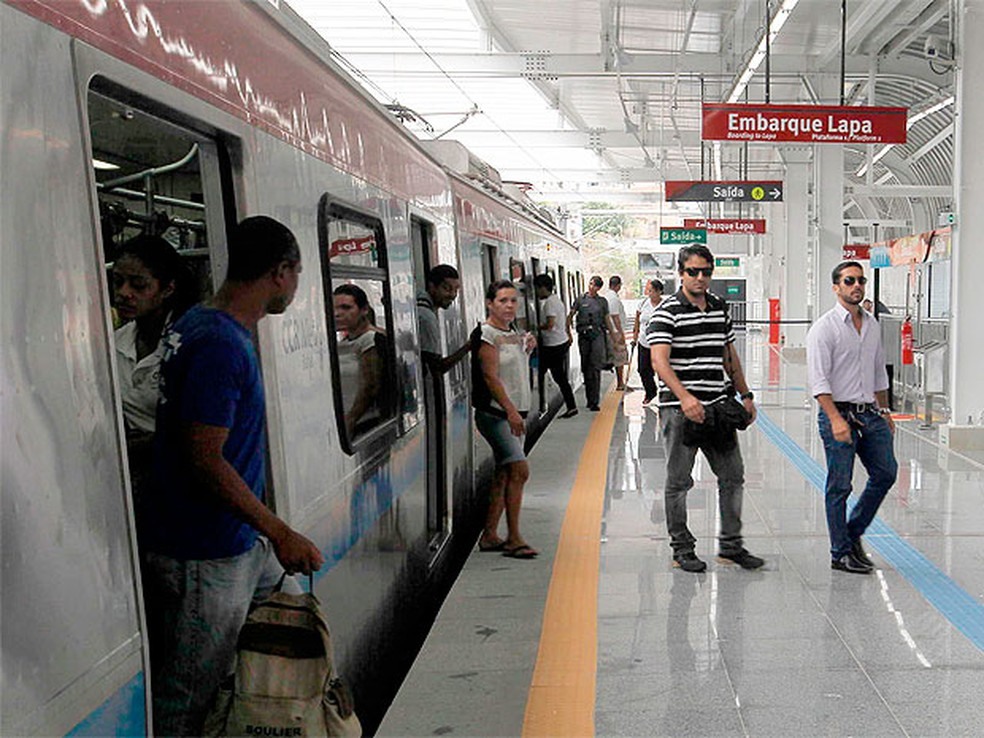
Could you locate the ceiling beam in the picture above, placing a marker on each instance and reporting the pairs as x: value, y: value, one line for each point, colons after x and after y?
x: 594, y: 140
x: 916, y: 192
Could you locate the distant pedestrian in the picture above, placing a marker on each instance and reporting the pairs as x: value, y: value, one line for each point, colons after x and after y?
x: 212, y: 544
x: 501, y: 397
x: 647, y: 308
x: 846, y: 365
x: 693, y: 349
x: 619, y: 354
x: 555, y: 340
x: 590, y: 318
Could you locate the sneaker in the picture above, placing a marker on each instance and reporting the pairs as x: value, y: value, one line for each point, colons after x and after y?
x: 861, y: 555
x: 570, y: 413
x: 850, y: 563
x: 689, y: 562
x: 593, y: 408
x: 744, y: 559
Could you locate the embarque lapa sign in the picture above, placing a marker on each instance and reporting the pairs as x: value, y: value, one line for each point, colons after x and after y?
x: 803, y: 123
x: 715, y: 191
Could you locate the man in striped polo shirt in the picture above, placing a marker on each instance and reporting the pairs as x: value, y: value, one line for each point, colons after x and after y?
x: 692, y: 345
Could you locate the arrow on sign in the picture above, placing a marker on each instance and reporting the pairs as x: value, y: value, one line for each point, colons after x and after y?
x: 775, y: 193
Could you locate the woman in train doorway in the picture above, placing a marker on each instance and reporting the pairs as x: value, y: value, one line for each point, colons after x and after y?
x: 152, y: 288
x: 501, y: 398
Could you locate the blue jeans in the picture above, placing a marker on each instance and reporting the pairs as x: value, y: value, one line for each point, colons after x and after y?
x: 872, y: 442
x: 195, y: 610
x: 727, y: 466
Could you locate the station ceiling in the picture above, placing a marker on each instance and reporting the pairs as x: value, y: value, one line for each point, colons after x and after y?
x: 600, y: 100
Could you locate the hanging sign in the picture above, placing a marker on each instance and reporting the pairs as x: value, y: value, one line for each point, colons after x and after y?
x: 804, y: 123
x: 727, y: 225
x: 715, y: 191
x: 856, y: 251
x: 682, y: 235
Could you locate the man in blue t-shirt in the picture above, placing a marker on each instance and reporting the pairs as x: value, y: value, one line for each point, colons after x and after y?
x: 211, y: 546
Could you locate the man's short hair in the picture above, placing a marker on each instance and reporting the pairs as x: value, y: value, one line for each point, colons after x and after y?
x: 441, y: 272
x: 257, y: 245
x: 656, y: 284
x: 597, y: 281
x: 543, y: 280
x: 695, y: 249
x: 614, y: 281
x: 836, y: 274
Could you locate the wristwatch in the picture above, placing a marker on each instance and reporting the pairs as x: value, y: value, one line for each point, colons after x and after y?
x: 747, y: 395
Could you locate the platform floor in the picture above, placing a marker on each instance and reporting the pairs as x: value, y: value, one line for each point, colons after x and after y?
x: 601, y: 636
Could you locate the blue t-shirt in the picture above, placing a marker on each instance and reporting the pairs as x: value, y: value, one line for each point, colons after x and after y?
x: 210, y: 374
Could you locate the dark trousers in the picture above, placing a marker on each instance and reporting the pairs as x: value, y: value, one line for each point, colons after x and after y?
x: 554, y: 360
x: 646, y: 373
x: 593, y: 356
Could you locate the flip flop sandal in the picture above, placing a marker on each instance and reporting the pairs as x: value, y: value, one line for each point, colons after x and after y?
x: 520, y: 552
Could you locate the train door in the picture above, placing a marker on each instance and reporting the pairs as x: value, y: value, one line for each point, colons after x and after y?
x: 490, y: 269
x: 163, y: 181
x: 535, y: 322
x: 435, y: 399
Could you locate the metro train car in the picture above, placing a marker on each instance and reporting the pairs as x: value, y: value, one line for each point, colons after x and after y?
x: 179, y: 119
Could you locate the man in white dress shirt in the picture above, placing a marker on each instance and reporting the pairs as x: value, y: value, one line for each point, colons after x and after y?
x: 846, y: 365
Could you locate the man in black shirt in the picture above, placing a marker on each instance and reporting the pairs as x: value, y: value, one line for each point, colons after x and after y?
x: 692, y: 344
x: 593, y: 324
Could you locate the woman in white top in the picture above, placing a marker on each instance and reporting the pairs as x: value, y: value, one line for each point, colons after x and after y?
x: 654, y: 291
x: 152, y: 287
x: 501, y: 397
x: 358, y: 359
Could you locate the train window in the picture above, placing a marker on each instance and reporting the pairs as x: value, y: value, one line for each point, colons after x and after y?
x: 356, y: 282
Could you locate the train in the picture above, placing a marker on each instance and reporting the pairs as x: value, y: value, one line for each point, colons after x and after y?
x: 179, y: 119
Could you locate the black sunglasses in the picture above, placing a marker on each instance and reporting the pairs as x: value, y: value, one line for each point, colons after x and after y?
x: 694, y: 271
x: 849, y: 281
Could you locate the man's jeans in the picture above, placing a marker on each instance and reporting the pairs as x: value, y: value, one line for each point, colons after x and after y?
x: 727, y: 467
x: 871, y: 441
x: 195, y: 610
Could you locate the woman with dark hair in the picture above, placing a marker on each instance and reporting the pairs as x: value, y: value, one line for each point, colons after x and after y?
x: 359, y: 366
x: 501, y: 397
x: 152, y: 288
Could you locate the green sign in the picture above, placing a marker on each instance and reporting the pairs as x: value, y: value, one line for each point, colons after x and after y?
x: 727, y: 261
x: 734, y: 289
x: 682, y: 236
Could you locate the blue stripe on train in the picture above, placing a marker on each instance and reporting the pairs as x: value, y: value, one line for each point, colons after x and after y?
x: 964, y: 612
x: 123, y: 714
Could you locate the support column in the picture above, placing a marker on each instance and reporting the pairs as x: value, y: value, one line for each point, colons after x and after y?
x: 966, y: 347
x: 796, y: 202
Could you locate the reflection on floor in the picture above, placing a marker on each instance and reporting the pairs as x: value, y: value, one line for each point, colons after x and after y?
x: 794, y: 649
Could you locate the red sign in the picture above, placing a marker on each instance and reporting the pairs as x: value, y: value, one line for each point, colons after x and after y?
x: 727, y: 225
x: 856, y: 251
x: 347, y: 246
x: 809, y: 123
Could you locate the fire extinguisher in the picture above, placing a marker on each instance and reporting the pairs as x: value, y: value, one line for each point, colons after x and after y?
x: 907, y: 341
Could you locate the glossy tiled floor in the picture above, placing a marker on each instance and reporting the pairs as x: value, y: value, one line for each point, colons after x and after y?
x: 793, y: 649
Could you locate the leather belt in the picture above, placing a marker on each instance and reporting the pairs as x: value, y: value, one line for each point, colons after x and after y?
x: 857, y: 407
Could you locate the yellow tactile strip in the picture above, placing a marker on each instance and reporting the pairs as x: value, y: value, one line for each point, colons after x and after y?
x: 562, y: 696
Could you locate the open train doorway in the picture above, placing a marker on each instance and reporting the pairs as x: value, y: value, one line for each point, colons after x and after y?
x: 435, y: 392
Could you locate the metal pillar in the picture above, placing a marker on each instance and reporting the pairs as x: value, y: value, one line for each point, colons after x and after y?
x: 797, y: 205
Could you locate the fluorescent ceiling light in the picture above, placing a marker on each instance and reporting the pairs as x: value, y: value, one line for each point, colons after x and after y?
x: 103, y: 165
x: 778, y: 21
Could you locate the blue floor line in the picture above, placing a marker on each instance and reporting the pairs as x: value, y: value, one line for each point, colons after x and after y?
x: 963, y: 611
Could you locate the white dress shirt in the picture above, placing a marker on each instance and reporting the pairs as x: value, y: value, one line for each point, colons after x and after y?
x: 843, y: 363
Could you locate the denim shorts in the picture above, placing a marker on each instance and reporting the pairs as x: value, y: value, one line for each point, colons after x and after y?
x: 506, y: 448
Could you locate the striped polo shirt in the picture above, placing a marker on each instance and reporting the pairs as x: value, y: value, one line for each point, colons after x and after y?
x: 697, y: 339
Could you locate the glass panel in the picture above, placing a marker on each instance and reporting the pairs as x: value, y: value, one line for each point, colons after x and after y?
x: 352, y: 244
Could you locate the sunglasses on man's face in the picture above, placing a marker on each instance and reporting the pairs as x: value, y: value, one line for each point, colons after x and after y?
x: 694, y: 271
x: 849, y: 281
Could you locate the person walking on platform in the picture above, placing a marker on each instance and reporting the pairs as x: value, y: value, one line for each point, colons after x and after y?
x: 647, y: 308
x: 443, y: 283
x: 619, y: 354
x: 555, y: 341
x: 693, y: 352
x: 211, y: 544
x: 846, y: 367
x: 592, y: 324
x: 501, y: 397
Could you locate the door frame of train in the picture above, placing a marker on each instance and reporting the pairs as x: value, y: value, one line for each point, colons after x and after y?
x: 435, y: 400
x: 199, y: 120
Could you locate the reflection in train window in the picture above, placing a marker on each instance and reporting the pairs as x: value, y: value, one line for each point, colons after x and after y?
x: 355, y: 278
